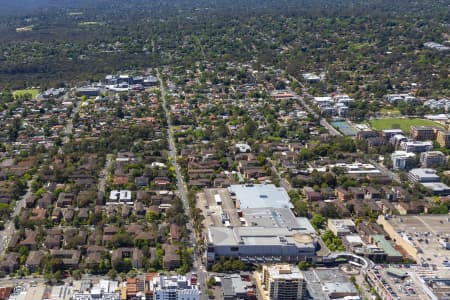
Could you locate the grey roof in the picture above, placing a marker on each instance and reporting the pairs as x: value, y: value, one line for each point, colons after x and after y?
x: 393, y: 130
x: 424, y: 173
x: 88, y: 89
x: 238, y: 285
x: 322, y: 282
x: 261, y: 195
x: 253, y: 236
x: 436, y: 186
x: 433, y: 153
x: 305, y: 226
x: 233, y: 286
x: 339, y: 287
x: 276, y: 217
x: 227, y: 286
x: 222, y: 235
x: 294, y: 272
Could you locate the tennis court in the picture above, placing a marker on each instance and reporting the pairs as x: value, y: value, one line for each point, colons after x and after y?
x: 344, y: 127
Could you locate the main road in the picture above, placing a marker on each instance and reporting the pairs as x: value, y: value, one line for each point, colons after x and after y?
x: 385, y: 170
x: 198, y: 268
x: 103, y: 174
x: 323, y: 121
x: 283, y: 181
x: 9, y: 226
x: 69, y: 125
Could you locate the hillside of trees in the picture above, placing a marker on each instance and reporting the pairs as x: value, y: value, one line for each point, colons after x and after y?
x: 376, y: 44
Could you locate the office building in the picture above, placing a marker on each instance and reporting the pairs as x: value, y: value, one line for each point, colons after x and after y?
x: 423, y: 175
x: 388, y: 133
x: 88, y: 91
x: 400, y: 159
x: 430, y: 180
x: 283, y: 282
x: 416, y: 146
x: 397, y: 139
x: 394, y: 98
x: 443, y: 138
x: 423, y: 133
x: 431, y: 159
x: 437, y: 188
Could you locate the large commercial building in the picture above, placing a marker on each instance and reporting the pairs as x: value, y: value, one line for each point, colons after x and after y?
x: 260, y: 244
x: 256, y: 225
x: 173, y: 288
x: 283, y: 282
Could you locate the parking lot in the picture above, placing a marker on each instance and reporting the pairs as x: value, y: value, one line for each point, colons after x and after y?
x: 217, y: 213
x: 426, y: 233
x: 409, y: 287
x: 404, y: 288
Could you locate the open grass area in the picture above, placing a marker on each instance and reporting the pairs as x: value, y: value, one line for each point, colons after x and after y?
x: 32, y: 92
x: 402, y: 123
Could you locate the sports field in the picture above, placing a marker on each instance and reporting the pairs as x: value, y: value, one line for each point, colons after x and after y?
x: 32, y: 92
x: 402, y: 123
